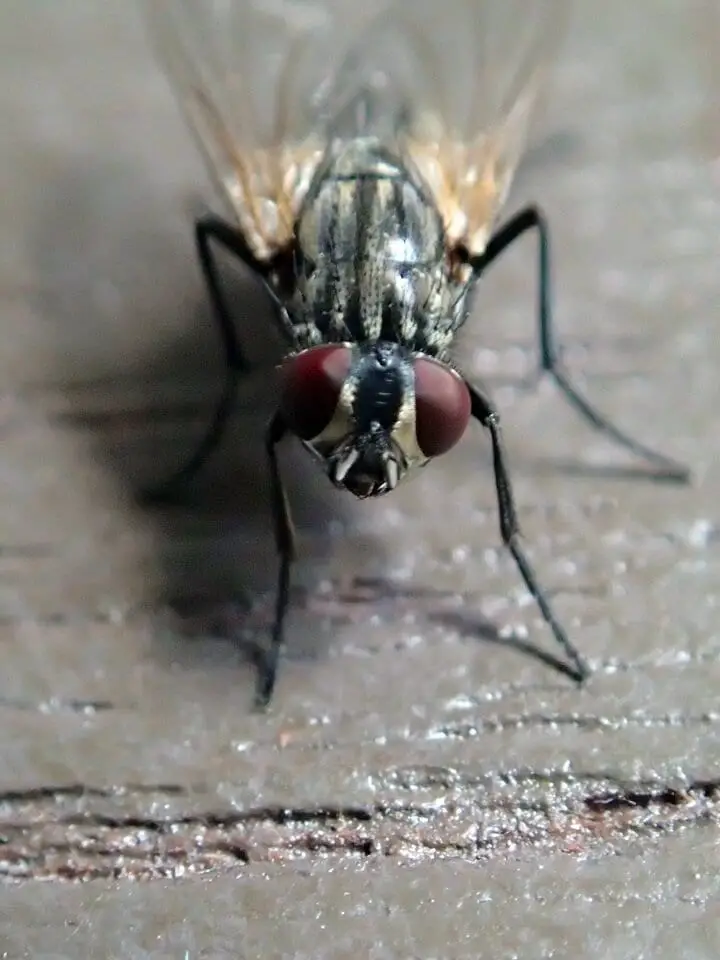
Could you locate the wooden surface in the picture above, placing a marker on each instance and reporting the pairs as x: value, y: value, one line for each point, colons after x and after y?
x: 422, y: 787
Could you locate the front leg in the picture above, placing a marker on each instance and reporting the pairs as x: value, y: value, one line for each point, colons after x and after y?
x: 532, y: 219
x: 208, y: 229
x: 285, y: 543
x: 484, y: 411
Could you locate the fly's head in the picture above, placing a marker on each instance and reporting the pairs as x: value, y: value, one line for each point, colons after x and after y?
x: 372, y: 412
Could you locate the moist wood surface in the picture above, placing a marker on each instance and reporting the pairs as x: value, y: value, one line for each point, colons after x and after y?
x: 424, y: 785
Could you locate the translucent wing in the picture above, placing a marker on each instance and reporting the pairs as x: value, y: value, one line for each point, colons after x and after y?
x: 465, y: 77
x: 268, y: 86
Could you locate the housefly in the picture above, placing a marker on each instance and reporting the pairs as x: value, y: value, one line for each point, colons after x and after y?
x: 364, y: 152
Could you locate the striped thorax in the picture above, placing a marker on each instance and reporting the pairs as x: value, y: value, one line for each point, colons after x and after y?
x: 374, y: 288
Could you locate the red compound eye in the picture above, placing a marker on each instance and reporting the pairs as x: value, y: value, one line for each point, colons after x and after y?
x: 311, y: 385
x: 442, y: 407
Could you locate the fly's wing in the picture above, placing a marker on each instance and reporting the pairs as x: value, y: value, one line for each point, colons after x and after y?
x: 244, y: 73
x: 267, y: 86
x: 459, y: 81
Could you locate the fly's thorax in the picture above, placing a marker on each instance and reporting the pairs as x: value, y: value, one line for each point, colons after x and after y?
x: 370, y: 257
x: 372, y: 412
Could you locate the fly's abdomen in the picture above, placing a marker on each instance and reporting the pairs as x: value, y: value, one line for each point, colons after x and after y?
x: 370, y: 252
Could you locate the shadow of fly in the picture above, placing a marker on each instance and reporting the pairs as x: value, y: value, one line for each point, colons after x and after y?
x: 364, y: 159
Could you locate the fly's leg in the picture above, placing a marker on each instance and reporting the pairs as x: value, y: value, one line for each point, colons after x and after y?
x: 531, y: 218
x: 285, y: 542
x: 484, y: 411
x: 207, y: 230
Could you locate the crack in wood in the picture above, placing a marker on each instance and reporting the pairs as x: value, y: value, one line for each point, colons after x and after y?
x: 58, y: 705
x: 585, y: 722
x: 88, y: 845
x: 77, y: 791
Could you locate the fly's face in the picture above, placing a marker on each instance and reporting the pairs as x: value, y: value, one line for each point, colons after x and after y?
x: 372, y: 412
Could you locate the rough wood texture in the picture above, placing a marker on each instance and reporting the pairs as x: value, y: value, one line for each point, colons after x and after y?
x: 424, y: 786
